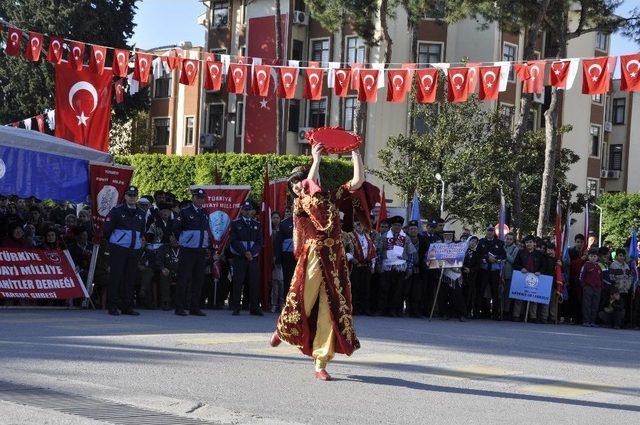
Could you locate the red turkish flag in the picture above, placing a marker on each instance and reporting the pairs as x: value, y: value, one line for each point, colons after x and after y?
x: 489, y: 82
x: 472, y: 77
x: 14, y: 38
x: 288, y: 82
x: 399, y: 82
x: 313, y: 84
x: 40, y: 121
x: 522, y: 71
x: 173, y: 58
x: 630, y: 67
x: 120, y: 62
x: 142, y: 68
x: 535, y: 82
x: 595, y: 75
x: 341, y: 82
x: 411, y: 67
x: 368, y: 90
x: 427, y: 85
x: 34, y: 48
x: 83, y: 106
x: 237, y: 78
x: 261, y: 80
x: 97, y: 59
x: 119, y: 89
x: 313, y: 64
x: 212, y: 75
x: 54, y: 55
x: 242, y: 60
x: 189, y: 71
x: 76, y: 55
x: 458, y: 87
x: 558, y: 74
x: 355, y: 75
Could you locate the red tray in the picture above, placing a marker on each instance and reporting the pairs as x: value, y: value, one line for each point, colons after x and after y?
x: 334, y: 139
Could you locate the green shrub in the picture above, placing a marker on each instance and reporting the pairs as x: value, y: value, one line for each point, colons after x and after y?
x: 176, y: 173
x: 620, y: 212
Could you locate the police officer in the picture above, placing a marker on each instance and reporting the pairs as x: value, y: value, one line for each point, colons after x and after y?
x: 192, y: 230
x: 245, y: 245
x: 124, y: 228
x: 288, y: 259
x: 492, y: 256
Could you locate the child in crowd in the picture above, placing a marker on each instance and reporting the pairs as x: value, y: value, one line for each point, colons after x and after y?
x: 613, y: 313
x: 591, y: 282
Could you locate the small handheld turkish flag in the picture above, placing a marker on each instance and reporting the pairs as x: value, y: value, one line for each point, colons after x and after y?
x: 341, y: 82
x: 427, y: 84
x: 212, y: 75
x: 34, y: 48
x: 288, y: 82
x: 630, y: 67
x: 458, y: 87
x: 313, y: 84
x: 261, y: 80
x: 368, y: 90
x: 83, y: 106
x: 535, y: 82
x: 142, y: 68
x: 14, y: 38
x: 119, y: 89
x: 54, y: 54
x: 399, y: 83
x: 558, y: 74
x: 237, y: 78
x: 472, y: 77
x: 98, y: 57
x: 595, y: 75
x: 189, y: 72
x: 355, y: 75
x: 489, y: 82
x: 76, y: 55
x: 120, y: 62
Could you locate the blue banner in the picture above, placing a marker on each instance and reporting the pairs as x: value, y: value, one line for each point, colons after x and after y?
x: 529, y: 287
x: 46, y: 176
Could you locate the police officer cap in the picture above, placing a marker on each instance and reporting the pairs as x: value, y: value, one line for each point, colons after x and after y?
x: 199, y: 193
x: 247, y: 205
x: 490, y: 227
x: 396, y: 220
x: 414, y: 223
x: 131, y: 190
x: 433, y: 222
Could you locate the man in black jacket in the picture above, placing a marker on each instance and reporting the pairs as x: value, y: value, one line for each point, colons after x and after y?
x: 492, y: 255
x: 528, y: 260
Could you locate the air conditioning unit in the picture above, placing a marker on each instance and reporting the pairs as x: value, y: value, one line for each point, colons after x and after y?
x: 300, y: 18
x: 608, y: 126
x: 538, y: 98
x: 604, y: 174
x: 613, y: 174
x: 302, y: 131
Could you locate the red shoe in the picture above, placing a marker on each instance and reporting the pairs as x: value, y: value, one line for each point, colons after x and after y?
x: 275, y: 339
x: 322, y: 375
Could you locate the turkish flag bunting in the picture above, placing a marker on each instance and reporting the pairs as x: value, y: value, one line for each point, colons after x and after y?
x: 33, y: 50
x: 120, y: 62
x: 411, y: 67
x: 427, y: 84
x: 355, y: 72
x: 54, y: 54
x: 313, y: 64
x: 40, y: 121
x: 313, y: 84
x: 261, y: 80
x: 237, y: 78
x: 119, y: 89
x: 173, y: 58
x: 368, y: 87
x: 472, y: 77
x: 630, y: 72
x: 83, y: 107
x: 208, y: 57
x: 489, y: 82
x: 341, y: 82
x: 535, y: 82
x: 142, y: 68
x: 212, y: 75
x: 399, y: 84
x: 76, y: 55
x: 288, y: 77
x: 522, y: 71
x: 189, y: 71
x: 97, y: 59
x: 458, y: 88
x: 558, y: 74
x: 595, y: 75
x: 14, y: 38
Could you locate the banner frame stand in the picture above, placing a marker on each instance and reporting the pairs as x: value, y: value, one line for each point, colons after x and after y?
x: 435, y: 298
x: 84, y: 287
x: 92, y: 271
x: 526, y: 314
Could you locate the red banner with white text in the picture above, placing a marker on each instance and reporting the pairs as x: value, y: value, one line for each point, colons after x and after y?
x: 107, y: 186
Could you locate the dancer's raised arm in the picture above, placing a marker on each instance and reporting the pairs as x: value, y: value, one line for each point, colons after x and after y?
x: 358, y: 170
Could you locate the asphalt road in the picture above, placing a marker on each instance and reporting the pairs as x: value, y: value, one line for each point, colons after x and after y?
x: 77, y: 367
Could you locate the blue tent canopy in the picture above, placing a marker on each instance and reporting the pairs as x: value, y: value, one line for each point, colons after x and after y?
x: 36, y: 164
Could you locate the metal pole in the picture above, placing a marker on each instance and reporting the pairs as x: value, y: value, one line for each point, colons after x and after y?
x: 435, y: 299
x: 442, y: 200
x: 599, y: 223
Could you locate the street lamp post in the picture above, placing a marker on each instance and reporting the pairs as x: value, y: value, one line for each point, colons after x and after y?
x: 439, y: 178
x: 599, y: 224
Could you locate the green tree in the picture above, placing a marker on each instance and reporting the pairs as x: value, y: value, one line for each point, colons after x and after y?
x: 621, y: 212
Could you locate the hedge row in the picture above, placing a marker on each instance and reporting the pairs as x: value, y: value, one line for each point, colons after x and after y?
x: 176, y: 173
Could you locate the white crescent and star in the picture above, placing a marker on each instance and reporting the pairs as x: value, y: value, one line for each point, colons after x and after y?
x: 427, y: 77
x: 287, y: 84
x: 34, y: 43
x: 77, y: 49
x: 263, y: 104
x: 191, y: 68
x: 213, y: 67
x: 454, y: 77
x: 143, y: 63
x: 635, y: 62
x: 367, y: 78
x: 120, y: 58
x: 239, y: 71
x: 56, y: 45
x: 14, y: 40
x: 556, y: 70
x: 399, y: 77
x: 262, y: 80
x: 312, y: 78
x: 537, y: 71
x: 487, y: 74
x: 83, y: 85
x: 596, y: 66
x: 100, y: 54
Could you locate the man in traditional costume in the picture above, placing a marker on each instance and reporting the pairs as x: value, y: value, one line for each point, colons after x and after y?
x: 317, y: 316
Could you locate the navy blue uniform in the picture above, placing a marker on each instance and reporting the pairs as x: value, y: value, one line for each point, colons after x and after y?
x: 192, y: 231
x: 490, y: 273
x: 285, y: 236
x: 123, y: 228
x: 246, y: 236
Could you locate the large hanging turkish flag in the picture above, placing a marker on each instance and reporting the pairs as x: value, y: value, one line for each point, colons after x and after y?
x: 630, y: 72
x: 595, y: 75
x: 458, y: 86
x: 288, y: 80
x: 83, y: 106
x: 427, y: 84
x: 399, y: 84
x: 489, y: 82
x: 33, y: 49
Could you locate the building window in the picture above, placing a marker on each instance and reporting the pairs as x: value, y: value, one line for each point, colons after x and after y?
x: 297, y: 48
x: 215, y: 119
x: 615, y: 157
x: 299, y: 5
x: 437, y: 11
x: 320, y: 50
x: 510, y: 54
x: 429, y: 52
x: 218, y: 51
x: 349, y: 113
x: 161, y: 131
x: 189, y: 123
x: 239, y: 119
x: 162, y: 86
x: 220, y: 15
x: 602, y: 40
x: 618, y: 110
x: 294, y: 115
x: 317, y: 113
x: 595, y: 140
x: 356, y: 50
x: 597, y: 98
x: 592, y: 187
